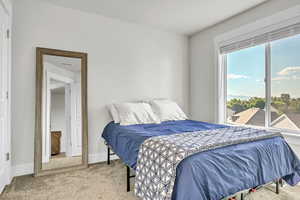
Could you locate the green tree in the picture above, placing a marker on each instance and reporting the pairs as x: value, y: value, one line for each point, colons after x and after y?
x: 283, y: 103
x: 238, y: 108
x: 236, y: 105
x: 257, y: 102
x: 286, y: 98
x: 294, y: 105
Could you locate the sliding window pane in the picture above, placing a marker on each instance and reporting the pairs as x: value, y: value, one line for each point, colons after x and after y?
x: 285, y: 83
x: 246, y: 86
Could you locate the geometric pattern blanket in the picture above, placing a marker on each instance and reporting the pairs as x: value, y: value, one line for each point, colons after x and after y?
x: 159, y: 156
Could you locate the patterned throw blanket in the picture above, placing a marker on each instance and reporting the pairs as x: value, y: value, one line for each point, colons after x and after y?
x: 159, y: 156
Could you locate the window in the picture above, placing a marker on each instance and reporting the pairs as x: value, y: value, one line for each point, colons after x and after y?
x: 262, y: 81
x: 246, y: 87
x: 285, y: 83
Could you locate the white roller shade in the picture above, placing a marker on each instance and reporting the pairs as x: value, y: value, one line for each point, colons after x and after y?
x: 261, y: 39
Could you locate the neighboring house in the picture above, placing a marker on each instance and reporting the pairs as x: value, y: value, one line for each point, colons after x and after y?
x: 229, y: 113
x: 287, y: 121
x: 253, y: 116
x: 256, y: 117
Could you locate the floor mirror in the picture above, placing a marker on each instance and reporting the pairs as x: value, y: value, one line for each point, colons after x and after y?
x: 61, y: 135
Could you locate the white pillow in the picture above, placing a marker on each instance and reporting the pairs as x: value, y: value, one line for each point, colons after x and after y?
x: 167, y: 110
x: 136, y: 113
x: 114, y: 113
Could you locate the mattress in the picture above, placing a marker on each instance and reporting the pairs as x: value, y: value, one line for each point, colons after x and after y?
x: 216, y: 173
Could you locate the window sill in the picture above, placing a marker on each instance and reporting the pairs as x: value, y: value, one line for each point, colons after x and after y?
x: 284, y: 132
x: 297, y: 135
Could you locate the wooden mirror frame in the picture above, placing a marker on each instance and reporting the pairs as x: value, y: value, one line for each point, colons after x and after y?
x: 40, y: 52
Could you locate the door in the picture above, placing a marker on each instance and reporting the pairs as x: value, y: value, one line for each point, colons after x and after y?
x: 4, y: 100
x: 47, y: 116
x: 76, y: 133
x: 68, y: 120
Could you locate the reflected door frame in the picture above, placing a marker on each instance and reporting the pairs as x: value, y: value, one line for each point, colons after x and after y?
x: 47, y: 114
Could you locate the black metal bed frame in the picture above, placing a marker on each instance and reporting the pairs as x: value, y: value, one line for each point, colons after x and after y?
x: 128, y: 174
x: 278, y: 182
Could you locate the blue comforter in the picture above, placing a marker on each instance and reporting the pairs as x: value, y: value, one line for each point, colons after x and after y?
x: 214, y: 174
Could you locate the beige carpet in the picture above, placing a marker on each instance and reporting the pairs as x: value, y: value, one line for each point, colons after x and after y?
x: 59, y: 162
x: 100, y: 182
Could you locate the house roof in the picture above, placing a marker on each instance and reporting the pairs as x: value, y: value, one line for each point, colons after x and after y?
x: 253, y: 116
x: 244, y: 116
x: 295, y: 118
x: 287, y: 121
x: 256, y: 117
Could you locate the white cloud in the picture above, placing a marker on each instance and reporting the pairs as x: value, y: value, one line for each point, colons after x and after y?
x: 280, y: 78
x: 288, y: 73
x: 236, y: 76
x: 289, y: 70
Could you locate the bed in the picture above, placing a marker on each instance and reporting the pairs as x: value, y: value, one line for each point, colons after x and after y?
x: 213, y: 174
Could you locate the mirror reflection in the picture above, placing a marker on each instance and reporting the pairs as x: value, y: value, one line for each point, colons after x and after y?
x: 62, y: 124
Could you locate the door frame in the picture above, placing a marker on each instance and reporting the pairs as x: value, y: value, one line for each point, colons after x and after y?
x: 6, y: 12
x: 47, y: 129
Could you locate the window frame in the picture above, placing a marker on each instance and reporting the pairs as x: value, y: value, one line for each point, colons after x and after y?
x: 267, y: 80
x: 276, y: 21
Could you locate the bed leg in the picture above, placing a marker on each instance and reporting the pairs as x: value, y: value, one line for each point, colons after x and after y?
x: 108, y: 155
x: 281, y: 182
x: 128, y: 178
x: 277, y: 186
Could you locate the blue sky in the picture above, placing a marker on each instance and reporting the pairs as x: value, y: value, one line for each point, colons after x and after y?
x: 246, y: 69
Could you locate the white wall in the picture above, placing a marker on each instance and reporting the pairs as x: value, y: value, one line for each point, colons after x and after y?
x: 58, y: 118
x: 125, y: 61
x: 202, y: 62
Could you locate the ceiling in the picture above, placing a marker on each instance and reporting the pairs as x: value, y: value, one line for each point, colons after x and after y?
x: 60, y: 90
x: 71, y: 64
x: 57, y: 87
x: 180, y: 16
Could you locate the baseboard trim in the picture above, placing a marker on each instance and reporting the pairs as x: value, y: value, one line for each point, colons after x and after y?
x: 23, y: 169
x: 27, y: 169
x: 100, y: 157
